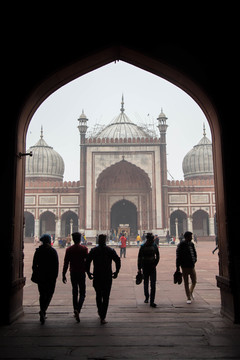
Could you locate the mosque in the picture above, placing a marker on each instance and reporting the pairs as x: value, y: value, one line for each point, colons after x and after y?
x: 123, y: 185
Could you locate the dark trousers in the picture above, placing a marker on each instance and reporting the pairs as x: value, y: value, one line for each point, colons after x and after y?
x: 123, y: 252
x: 102, y: 298
x: 46, y: 291
x: 150, y: 274
x: 78, y: 290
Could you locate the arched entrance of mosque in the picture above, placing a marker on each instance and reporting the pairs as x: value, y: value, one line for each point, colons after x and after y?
x: 200, y: 223
x: 230, y: 300
x: 178, y: 223
x: 127, y: 185
x: 29, y: 226
x: 124, y: 212
x: 47, y: 223
x: 69, y: 223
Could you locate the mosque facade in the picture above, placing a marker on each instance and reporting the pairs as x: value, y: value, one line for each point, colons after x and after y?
x: 123, y: 185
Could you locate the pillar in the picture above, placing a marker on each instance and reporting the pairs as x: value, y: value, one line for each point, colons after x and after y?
x: 162, y: 126
x: 190, y: 223
x: 36, y: 228
x: 211, y: 227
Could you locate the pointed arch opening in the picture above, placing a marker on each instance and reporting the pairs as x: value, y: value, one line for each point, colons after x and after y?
x: 159, y: 68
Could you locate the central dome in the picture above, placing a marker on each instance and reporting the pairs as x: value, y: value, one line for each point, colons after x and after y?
x: 122, y: 127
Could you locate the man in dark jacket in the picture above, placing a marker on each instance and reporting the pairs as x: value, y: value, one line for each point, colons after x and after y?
x: 102, y: 257
x: 76, y: 256
x: 148, y: 258
x: 45, y: 269
x: 186, y: 258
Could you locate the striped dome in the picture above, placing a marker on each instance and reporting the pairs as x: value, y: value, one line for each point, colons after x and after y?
x: 45, y: 162
x: 198, y: 163
x: 122, y: 127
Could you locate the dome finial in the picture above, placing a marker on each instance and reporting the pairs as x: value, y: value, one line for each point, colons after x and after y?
x: 122, y: 105
x: 204, y: 130
x: 41, y: 136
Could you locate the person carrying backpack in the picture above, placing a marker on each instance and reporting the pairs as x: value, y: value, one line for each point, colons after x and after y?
x: 148, y: 258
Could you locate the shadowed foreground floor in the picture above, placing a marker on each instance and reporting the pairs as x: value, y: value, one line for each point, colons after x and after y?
x: 174, y: 330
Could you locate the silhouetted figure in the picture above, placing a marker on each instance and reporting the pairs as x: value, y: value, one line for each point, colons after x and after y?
x: 186, y: 258
x: 148, y: 258
x: 45, y: 272
x: 216, y: 248
x: 76, y: 256
x: 102, y: 257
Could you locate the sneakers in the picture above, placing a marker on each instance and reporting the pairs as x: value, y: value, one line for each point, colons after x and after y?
x: 189, y: 301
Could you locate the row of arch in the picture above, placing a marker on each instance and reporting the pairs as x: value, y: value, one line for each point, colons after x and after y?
x: 122, y: 212
x: 48, y: 223
x: 198, y: 223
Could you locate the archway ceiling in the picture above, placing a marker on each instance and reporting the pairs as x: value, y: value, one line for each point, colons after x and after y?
x: 123, y: 176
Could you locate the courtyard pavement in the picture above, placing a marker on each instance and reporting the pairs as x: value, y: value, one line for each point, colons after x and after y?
x: 174, y: 330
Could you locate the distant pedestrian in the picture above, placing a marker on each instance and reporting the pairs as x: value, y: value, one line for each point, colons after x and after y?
x: 186, y: 257
x: 138, y: 239
x: 168, y: 237
x: 216, y: 242
x: 143, y: 237
x: 76, y: 256
x: 102, y: 257
x: 156, y: 240
x: 181, y: 237
x: 45, y: 273
x: 123, y: 246
x: 148, y: 258
x: 195, y: 238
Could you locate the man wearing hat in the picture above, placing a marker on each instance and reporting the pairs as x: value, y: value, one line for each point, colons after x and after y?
x: 45, y: 272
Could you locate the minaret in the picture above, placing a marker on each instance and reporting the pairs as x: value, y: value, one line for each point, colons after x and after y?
x: 82, y: 127
x: 162, y: 126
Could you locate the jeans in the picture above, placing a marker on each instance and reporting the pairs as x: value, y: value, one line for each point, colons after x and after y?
x: 192, y: 273
x: 78, y: 288
x: 123, y: 252
x: 46, y: 291
x: 102, y: 297
x: 152, y: 275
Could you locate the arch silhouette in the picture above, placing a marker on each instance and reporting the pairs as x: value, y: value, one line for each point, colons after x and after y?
x: 102, y: 57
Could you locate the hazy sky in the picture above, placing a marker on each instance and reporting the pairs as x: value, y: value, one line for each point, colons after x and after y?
x: 99, y: 94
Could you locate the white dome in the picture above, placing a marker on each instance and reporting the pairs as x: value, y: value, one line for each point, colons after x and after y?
x: 45, y: 162
x: 198, y: 163
x: 122, y: 127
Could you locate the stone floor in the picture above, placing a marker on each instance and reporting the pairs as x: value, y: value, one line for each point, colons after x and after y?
x: 174, y: 330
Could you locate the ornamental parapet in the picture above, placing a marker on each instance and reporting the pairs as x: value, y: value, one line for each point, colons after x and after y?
x: 122, y: 140
x: 189, y: 183
x: 36, y: 183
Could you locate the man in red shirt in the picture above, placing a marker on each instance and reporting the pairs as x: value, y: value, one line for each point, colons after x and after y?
x: 76, y: 255
x: 123, y: 246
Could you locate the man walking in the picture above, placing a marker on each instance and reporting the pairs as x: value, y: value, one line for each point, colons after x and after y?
x: 123, y: 246
x: 76, y: 256
x: 102, y: 257
x: 186, y: 257
x: 45, y: 272
x: 148, y: 258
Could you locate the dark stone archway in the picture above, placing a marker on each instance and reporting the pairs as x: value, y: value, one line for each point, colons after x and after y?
x: 181, y: 66
x: 124, y: 212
